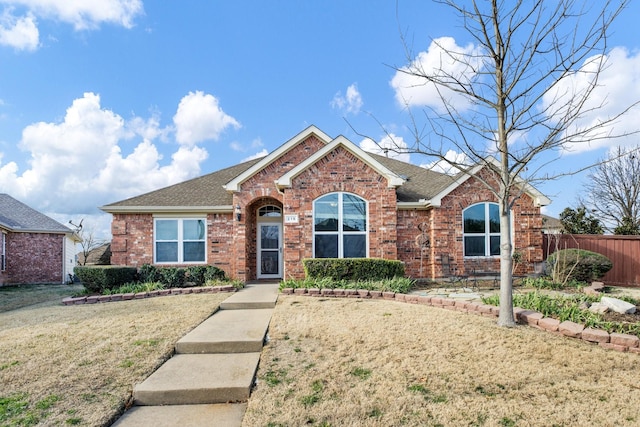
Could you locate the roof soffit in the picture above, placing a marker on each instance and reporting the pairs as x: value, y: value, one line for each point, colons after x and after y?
x: 393, y: 179
x: 234, y: 185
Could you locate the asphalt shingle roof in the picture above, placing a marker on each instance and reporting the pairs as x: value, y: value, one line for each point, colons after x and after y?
x: 16, y: 216
x: 208, y: 191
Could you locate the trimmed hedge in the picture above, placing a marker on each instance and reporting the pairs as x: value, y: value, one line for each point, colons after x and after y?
x: 356, y: 269
x: 578, y: 264
x: 177, y: 277
x: 100, y: 278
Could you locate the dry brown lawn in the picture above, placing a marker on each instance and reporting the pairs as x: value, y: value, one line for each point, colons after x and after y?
x: 345, y: 362
x: 77, y: 365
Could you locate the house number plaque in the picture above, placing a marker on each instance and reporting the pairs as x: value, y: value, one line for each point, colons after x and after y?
x: 291, y: 219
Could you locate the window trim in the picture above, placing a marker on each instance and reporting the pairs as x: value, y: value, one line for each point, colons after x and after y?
x: 340, y: 233
x: 487, y: 234
x: 180, y: 239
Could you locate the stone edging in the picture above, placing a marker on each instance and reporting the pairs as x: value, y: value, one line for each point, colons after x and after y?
x: 93, y: 299
x: 613, y: 341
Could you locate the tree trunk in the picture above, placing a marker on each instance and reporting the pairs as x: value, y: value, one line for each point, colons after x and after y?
x: 505, y: 317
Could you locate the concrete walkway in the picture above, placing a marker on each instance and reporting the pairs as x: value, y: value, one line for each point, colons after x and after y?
x: 208, y: 381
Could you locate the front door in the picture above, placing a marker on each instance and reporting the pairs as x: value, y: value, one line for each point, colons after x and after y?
x: 269, y: 250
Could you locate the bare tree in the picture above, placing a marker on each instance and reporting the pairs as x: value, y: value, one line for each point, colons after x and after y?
x: 88, y: 241
x: 507, y: 103
x: 613, y: 191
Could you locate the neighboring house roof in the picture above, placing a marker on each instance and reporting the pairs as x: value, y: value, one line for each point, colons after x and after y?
x: 416, y: 187
x: 551, y: 225
x: 18, y: 217
x: 96, y: 256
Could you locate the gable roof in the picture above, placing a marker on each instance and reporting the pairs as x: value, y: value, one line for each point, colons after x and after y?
x: 539, y: 199
x: 17, y: 217
x: 392, y: 178
x: 416, y: 187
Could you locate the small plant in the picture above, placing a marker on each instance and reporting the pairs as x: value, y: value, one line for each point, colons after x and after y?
x: 362, y: 373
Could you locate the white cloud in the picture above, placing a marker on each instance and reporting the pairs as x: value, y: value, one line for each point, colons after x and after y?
x: 445, y: 166
x: 199, y: 118
x: 77, y: 164
x: 390, y: 146
x: 258, y: 155
x: 238, y: 146
x: 83, y: 14
x: 443, y: 58
x: 350, y: 103
x: 618, y: 88
x: 21, y: 33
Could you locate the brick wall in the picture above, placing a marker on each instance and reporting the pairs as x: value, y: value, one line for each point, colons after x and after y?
x: 338, y: 171
x: 34, y: 258
x: 132, y: 239
x: 447, y: 232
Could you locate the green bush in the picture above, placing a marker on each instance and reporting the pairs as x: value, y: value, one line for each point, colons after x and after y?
x: 103, y: 278
x: 352, y: 269
x: 578, y: 264
x: 173, y: 277
x: 395, y: 284
x: 149, y: 273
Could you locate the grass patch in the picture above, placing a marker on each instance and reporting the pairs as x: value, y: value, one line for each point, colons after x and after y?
x: 362, y: 373
x: 432, y: 367
x: 76, y: 365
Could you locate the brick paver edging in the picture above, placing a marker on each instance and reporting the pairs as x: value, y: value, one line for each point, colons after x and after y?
x: 94, y: 299
x: 613, y: 341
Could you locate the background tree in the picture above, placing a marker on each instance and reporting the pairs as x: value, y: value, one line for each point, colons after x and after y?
x: 613, y: 190
x: 88, y: 241
x: 519, y: 94
x: 579, y: 221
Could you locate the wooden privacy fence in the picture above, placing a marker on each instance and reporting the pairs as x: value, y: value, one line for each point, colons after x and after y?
x: 623, y: 251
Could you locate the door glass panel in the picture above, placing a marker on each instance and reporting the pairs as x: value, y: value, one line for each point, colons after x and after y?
x: 269, y: 237
x: 269, y: 262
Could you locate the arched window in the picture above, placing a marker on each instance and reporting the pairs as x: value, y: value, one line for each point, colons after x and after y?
x: 481, y: 224
x: 340, y: 226
x: 269, y: 211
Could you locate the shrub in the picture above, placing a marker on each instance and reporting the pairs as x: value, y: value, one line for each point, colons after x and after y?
x: 352, y: 268
x: 173, y: 277
x: 149, y: 273
x: 103, y: 278
x: 578, y: 264
x: 214, y: 273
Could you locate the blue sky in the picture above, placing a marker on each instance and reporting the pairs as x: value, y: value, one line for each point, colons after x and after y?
x: 108, y: 99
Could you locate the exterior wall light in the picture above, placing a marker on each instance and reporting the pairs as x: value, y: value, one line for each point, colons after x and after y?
x: 238, y: 212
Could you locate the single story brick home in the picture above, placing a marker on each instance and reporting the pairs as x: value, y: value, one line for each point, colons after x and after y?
x: 33, y: 247
x: 317, y: 196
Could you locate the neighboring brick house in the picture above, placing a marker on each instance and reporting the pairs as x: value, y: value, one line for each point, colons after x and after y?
x: 33, y: 247
x: 316, y: 196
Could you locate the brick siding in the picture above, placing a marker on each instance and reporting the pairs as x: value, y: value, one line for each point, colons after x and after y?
x: 33, y: 258
x: 232, y: 244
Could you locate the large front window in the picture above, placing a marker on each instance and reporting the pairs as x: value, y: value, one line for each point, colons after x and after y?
x: 340, y: 226
x: 179, y: 240
x: 481, y: 230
